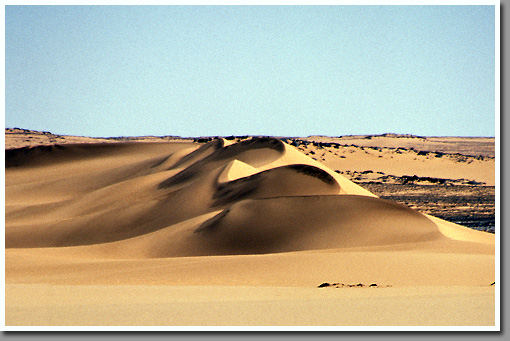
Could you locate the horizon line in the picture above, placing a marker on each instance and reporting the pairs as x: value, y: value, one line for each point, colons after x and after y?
x: 257, y: 135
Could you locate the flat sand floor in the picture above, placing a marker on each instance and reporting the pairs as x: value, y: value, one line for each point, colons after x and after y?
x: 53, y: 305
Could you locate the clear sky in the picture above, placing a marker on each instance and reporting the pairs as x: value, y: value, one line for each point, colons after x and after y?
x: 251, y: 70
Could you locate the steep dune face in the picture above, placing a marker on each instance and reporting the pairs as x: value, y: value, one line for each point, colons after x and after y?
x: 174, y: 199
x: 310, y: 223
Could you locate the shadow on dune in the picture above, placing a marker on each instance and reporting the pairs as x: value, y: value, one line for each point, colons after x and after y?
x: 289, y: 180
x: 257, y: 151
x: 43, y: 155
x: 312, y: 222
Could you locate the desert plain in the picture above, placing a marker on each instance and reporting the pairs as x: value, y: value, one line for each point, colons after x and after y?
x: 246, y: 231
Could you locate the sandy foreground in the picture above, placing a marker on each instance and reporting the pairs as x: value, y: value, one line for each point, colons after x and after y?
x: 246, y: 306
x: 227, y: 233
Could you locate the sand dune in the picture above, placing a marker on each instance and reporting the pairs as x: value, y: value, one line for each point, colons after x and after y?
x: 255, y: 212
x: 137, y: 197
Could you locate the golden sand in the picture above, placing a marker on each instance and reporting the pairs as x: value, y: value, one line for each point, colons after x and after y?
x: 177, y: 233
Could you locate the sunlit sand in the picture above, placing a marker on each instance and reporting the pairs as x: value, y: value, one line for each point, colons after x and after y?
x: 228, y: 233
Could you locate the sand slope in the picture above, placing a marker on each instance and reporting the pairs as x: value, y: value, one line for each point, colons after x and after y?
x: 256, y: 212
x: 79, y: 205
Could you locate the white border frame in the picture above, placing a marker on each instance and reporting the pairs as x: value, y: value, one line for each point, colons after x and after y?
x: 497, y: 326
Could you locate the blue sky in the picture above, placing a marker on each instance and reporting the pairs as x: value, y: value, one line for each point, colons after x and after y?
x: 251, y: 70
